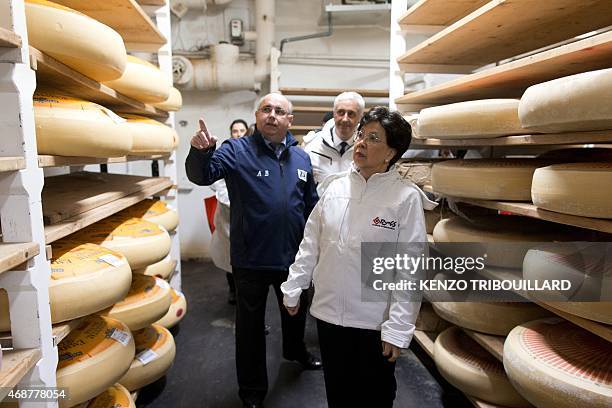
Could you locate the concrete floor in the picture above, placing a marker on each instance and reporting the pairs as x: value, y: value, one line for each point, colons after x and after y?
x: 203, y: 374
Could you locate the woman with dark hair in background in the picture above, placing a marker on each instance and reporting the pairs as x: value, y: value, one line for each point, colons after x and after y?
x: 360, y: 340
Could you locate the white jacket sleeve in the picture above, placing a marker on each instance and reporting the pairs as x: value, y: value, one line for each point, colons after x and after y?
x: 399, y: 328
x: 300, y: 273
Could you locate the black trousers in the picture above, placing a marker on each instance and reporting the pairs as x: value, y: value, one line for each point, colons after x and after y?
x: 356, y: 373
x: 230, y: 282
x: 252, y: 288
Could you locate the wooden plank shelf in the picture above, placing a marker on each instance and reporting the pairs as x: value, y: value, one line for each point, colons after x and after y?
x: 366, y: 93
x: 438, y: 12
x: 9, y: 39
x: 53, y: 74
x: 57, y: 161
x: 124, y: 16
x: 12, y: 255
x: 493, y: 344
x: 510, y: 80
x: 15, y: 365
x: 13, y: 163
x: 82, y: 220
x: 503, y: 29
x: 426, y: 340
x: 595, y: 137
x: 151, y: 2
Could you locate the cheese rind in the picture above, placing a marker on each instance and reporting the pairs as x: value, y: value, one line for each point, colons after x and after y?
x: 177, y: 310
x: 173, y: 103
x: 143, y: 81
x: 150, y: 136
x: 116, y: 396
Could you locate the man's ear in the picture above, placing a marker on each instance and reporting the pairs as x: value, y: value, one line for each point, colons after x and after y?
x: 290, y: 119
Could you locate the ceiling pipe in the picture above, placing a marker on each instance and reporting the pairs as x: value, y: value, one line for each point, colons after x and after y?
x: 264, y: 27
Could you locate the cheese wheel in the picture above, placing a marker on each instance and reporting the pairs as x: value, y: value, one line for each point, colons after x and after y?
x: 162, y: 269
x: 578, y: 102
x: 149, y: 136
x: 479, y: 119
x: 142, y: 242
x: 143, y: 81
x: 147, y: 301
x: 155, y: 351
x: 432, y: 217
x: 177, y: 310
x: 472, y: 369
x: 428, y: 320
x: 82, y: 43
x: 496, y: 318
x: 85, y: 278
x: 486, y: 179
x: 173, y: 103
x: 73, y: 127
x: 580, y: 263
x: 154, y: 210
x: 574, y: 188
x: 115, y: 396
x: 93, y: 357
x: 554, y: 363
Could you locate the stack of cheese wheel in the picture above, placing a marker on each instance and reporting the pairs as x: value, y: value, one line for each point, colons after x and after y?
x: 154, y: 210
x: 574, y: 188
x: 150, y: 136
x: 141, y: 242
x: 177, y: 310
x: 479, y: 119
x: 68, y: 126
x: 578, y: 102
x: 585, y: 266
x: 115, y: 396
x: 147, y: 301
x: 143, y: 81
x: 554, y: 363
x: 85, y: 278
x: 93, y: 357
x: 486, y: 179
x: 75, y: 39
x: 173, y: 103
x: 155, y: 351
x: 162, y: 269
x: 472, y: 369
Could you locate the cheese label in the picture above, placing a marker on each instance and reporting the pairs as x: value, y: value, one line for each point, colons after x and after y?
x: 146, y: 356
x: 120, y: 336
x: 111, y: 260
x: 71, y: 258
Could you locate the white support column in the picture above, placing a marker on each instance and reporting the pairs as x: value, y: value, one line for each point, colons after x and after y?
x: 398, y: 47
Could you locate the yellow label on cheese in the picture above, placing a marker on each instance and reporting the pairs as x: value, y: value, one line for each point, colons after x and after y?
x: 71, y: 259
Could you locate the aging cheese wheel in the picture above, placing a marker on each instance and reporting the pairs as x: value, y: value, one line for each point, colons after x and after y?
x: 496, y: 318
x: 141, y: 242
x: 143, y: 81
x: 177, y: 310
x: 73, y: 127
x: 574, y: 188
x: 479, y: 119
x: 162, y: 269
x: 173, y: 103
x: 85, y: 278
x: 472, y: 369
x: 93, y: 357
x: 154, y: 210
x: 82, y: 43
x: 578, y: 102
x: 554, y: 363
x: 155, y: 351
x: 486, y: 179
x: 115, y: 396
x: 149, y: 136
x: 147, y: 301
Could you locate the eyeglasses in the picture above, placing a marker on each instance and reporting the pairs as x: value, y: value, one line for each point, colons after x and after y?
x: 278, y: 111
x: 370, y: 138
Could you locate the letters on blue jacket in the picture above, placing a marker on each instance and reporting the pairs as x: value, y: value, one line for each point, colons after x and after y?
x: 271, y: 198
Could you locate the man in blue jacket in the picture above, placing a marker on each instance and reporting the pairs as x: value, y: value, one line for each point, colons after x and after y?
x: 272, y: 191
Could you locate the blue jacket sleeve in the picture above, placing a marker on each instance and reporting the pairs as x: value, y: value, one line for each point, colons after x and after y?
x: 310, y: 196
x: 205, y: 167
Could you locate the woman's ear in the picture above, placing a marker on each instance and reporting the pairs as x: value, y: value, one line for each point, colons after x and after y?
x: 390, y: 155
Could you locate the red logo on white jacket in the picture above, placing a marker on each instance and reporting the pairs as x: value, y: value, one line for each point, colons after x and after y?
x: 382, y: 223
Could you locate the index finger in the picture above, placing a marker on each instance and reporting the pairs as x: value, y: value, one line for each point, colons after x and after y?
x: 203, y: 127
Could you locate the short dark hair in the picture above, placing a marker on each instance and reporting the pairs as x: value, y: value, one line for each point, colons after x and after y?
x: 327, y: 116
x: 397, y: 129
x: 239, y: 121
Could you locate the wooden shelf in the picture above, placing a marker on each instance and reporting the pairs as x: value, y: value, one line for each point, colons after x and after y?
x: 52, y: 73
x: 372, y: 93
x: 300, y: 128
x: 597, y: 137
x: 124, y: 16
x: 9, y: 39
x: 152, y: 2
x: 502, y: 29
x: 12, y: 255
x: 12, y: 163
x: 15, y: 365
x: 426, y: 340
x: 56, y: 161
x: 314, y: 109
x: 438, y: 12
x: 510, y: 80
x: 82, y: 220
x: 493, y: 344
x: 602, y: 330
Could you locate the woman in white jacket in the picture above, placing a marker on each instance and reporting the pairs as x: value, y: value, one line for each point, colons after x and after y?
x: 360, y: 340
